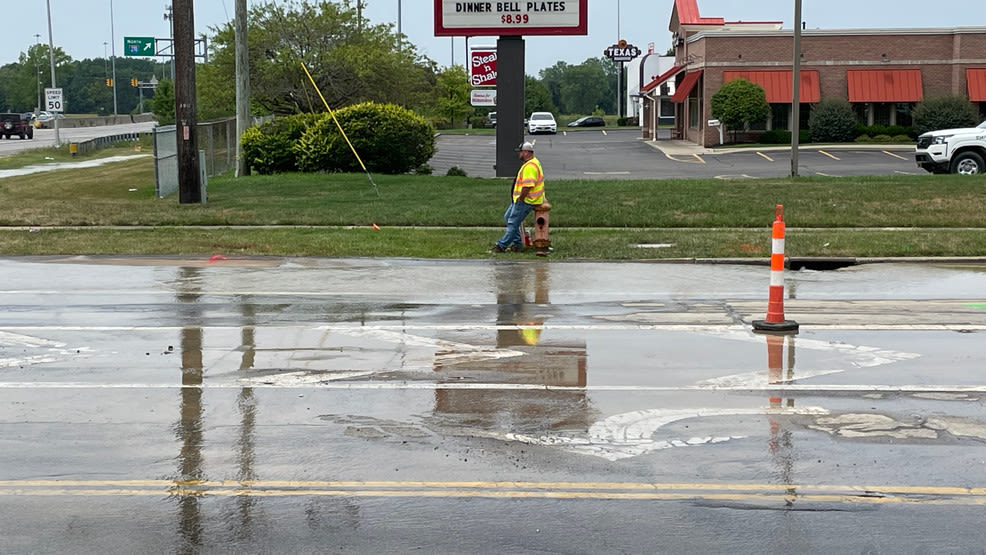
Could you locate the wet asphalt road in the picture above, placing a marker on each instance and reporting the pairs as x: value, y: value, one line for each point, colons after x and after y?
x: 357, y: 405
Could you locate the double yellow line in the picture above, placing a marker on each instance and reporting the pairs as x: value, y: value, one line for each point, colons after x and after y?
x: 734, y: 492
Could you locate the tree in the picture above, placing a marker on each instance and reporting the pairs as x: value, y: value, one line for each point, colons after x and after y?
x: 588, y: 85
x: 453, y: 95
x: 581, y: 89
x: 944, y: 112
x: 537, y: 97
x: 163, y: 103
x: 19, y: 81
x: 552, y: 78
x: 739, y: 103
x: 349, y: 61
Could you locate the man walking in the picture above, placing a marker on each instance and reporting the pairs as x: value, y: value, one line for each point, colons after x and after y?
x: 528, y: 192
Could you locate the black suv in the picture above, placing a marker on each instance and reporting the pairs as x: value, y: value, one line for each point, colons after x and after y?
x: 16, y: 124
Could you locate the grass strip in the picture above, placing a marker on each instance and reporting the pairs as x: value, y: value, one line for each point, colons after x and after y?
x: 569, y: 244
x: 333, y: 214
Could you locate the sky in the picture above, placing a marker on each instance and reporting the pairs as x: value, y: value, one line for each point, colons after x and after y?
x: 82, y: 28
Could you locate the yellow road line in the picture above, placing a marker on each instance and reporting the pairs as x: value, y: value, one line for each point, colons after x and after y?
x: 888, y: 153
x: 500, y: 490
x: 765, y: 156
x: 829, y: 155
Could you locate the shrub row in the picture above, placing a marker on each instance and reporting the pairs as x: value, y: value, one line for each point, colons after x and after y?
x: 388, y: 139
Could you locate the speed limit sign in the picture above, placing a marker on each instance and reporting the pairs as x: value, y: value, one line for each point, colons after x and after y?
x: 53, y: 100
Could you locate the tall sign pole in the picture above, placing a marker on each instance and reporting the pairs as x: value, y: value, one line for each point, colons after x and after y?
x: 51, y: 59
x: 510, y: 21
x: 189, y: 180
x: 621, y: 52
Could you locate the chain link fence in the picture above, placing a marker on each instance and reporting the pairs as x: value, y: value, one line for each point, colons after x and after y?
x: 217, y: 153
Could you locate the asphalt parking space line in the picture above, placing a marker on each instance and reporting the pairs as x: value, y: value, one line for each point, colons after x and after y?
x: 832, y: 156
x: 768, y: 158
x: 888, y: 153
x: 775, y: 493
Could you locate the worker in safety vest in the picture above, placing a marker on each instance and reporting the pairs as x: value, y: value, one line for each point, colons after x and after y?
x: 527, y: 193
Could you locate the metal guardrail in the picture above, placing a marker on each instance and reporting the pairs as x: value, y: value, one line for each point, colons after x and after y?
x: 85, y: 147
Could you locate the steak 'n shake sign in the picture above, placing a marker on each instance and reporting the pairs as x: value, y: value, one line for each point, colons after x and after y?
x: 482, y: 66
x: 527, y: 17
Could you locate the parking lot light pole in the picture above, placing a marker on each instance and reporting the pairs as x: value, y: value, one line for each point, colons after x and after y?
x: 113, y: 54
x: 37, y: 73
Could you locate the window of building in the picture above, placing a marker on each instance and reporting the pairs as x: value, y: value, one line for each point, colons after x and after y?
x: 805, y: 115
x: 780, y: 116
x: 862, y: 110
x: 693, y: 109
x: 758, y: 125
x: 882, y: 112
x: 902, y: 114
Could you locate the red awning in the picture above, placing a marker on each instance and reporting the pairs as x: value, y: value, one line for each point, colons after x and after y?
x: 684, y: 88
x: 778, y: 84
x: 662, y: 78
x: 884, y: 85
x: 976, y: 78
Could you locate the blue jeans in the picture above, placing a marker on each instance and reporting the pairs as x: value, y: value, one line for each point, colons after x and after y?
x: 514, y: 217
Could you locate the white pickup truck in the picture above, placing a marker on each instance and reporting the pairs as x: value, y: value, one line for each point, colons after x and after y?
x: 953, y: 150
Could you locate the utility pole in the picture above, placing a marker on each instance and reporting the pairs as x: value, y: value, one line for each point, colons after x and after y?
x: 796, y: 92
x: 242, y: 85
x: 189, y: 180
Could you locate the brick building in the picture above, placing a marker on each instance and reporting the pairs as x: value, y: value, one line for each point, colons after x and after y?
x: 882, y: 72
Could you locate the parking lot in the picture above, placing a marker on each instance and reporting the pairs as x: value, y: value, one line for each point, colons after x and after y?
x: 622, y: 154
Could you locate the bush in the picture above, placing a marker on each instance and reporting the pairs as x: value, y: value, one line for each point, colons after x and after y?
x: 944, y: 112
x: 891, y: 130
x: 478, y: 122
x: 456, y: 171
x: 775, y: 137
x: 782, y: 137
x: 832, y: 120
x: 388, y: 138
x: 269, y: 148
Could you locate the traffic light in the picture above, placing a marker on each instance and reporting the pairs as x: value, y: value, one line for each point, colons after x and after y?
x: 109, y: 82
x: 133, y: 81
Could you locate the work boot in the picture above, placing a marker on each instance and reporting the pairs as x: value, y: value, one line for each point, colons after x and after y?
x: 496, y: 248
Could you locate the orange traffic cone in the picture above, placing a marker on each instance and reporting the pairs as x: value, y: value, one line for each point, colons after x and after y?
x: 775, y: 303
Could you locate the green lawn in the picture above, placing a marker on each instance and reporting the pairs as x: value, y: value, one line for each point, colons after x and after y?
x: 111, y: 209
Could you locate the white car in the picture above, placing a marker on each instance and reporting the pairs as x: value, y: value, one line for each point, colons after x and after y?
x: 961, y: 151
x: 541, y: 122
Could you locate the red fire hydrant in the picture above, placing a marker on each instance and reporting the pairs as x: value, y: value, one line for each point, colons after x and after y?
x: 542, y: 245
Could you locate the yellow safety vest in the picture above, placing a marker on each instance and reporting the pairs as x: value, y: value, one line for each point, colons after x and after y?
x: 530, y: 175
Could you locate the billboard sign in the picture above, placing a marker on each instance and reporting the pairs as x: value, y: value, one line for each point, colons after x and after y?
x: 556, y: 17
x: 482, y: 66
